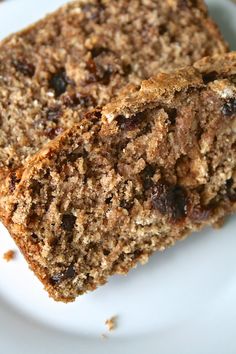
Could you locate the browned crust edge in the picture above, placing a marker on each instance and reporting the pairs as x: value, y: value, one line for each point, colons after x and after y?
x: 162, y: 87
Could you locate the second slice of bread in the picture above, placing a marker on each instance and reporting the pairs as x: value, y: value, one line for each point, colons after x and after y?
x: 85, y: 53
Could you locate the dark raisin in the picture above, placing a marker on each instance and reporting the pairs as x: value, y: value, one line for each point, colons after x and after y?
x: 73, y: 157
x: 130, y: 123
x: 127, y: 69
x: 93, y: 77
x: 91, y: 66
x: 34, y: 238
x: 229, y: 183
x: 53, y: 132
x: 146, y: 176
x: 105, y: 76
x: 35, y: 186
x: 199, y: 131
x: 148, y: 171
x: 93, y: 246
x: 53, y: 241
x: 122, y: 121
x: 96, y: 51
x: 97, y: 114
x: 13, y: 180
x: 94, y: 116
x: 194, y: 3
x: 77, y: 153
x: 108, y: 200
x: 53, y: 114
x: 33, y: 216
x: 10, y: 163
x: 24, y: 67
x: 69, y: 273
x: 162, y: 29
x: 147, y: 183
x: 230, y: 191
x: 229, y: 108
x: 68, y: 222
x: 209, y: 77
x: 106, y: 252
x: 97, y: 73
x: 137, y: 254
x: 232, y: 197
x: 170, y: 200
x: 59, y: 82
x: 172, y: 114
x: 126, y: 204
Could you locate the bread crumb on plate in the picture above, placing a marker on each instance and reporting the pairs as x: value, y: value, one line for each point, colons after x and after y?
x: 111, y: 323
x: 9, y: 255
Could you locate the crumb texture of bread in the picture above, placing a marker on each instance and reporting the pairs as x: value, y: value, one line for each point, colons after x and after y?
x: 105, y: 195
x: 82, y: 55
x: 9, y: 255
x: 111, y: 323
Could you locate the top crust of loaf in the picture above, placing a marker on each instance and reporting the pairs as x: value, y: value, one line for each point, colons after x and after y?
x: 163, y: 87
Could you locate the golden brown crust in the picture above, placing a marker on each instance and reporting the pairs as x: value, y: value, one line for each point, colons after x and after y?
x: 223, y: 65
x: 165, y: 86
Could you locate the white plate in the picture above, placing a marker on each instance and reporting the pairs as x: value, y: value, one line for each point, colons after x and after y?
x: 182, y: 301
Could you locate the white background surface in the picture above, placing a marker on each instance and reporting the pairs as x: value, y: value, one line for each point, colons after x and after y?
x: 182, y: 301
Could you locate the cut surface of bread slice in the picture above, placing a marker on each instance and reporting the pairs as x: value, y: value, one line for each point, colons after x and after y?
x: 147, y: 170
x: 82, y: 55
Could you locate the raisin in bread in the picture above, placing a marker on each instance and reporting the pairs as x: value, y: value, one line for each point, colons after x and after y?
x: 82, y: 55
x: 133, y: 178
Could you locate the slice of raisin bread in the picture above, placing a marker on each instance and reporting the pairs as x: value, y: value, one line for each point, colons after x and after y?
x: 147, y: 170
x: 82, y: 55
